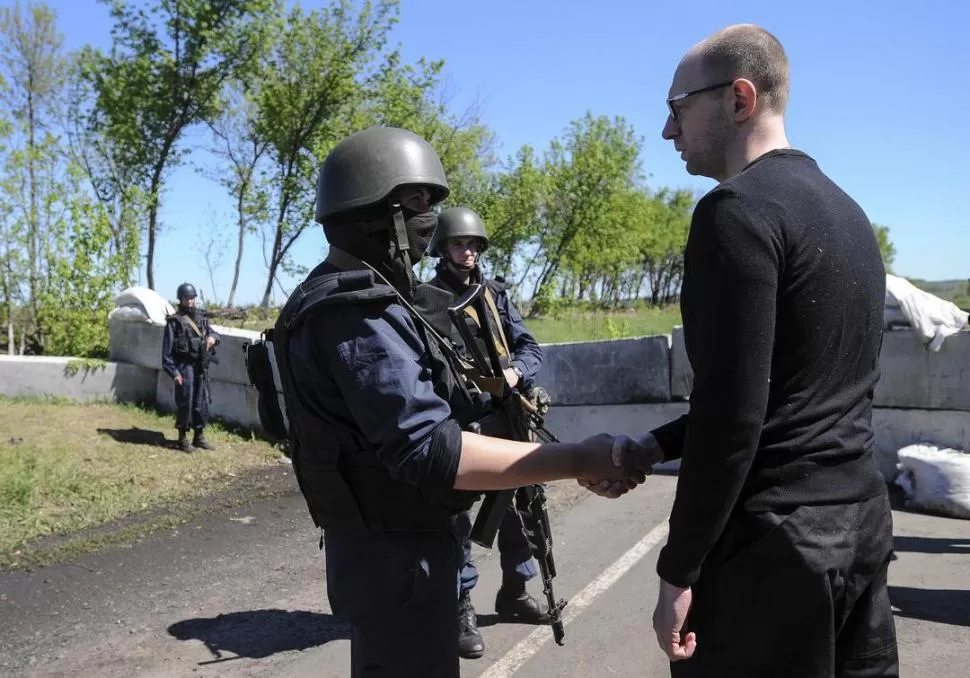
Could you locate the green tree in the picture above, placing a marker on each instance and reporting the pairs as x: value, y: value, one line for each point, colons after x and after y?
x: 85, y: 276
x: 34, y: 68
x: 512, y: 206
x: 11, y: 252
x: 597, y: 159
x: 308, y: 94
x: 102, y: 158
x: 886, y: 247
x: 663, y: 242
x: 240, y: 149
x: 163, y: 77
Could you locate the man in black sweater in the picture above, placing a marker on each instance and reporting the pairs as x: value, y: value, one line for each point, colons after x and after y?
x: 781, y: 530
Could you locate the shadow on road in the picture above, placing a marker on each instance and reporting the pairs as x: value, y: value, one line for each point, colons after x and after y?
x: 944, y: 606
x: 257, y: 634
x: 932, y: 545
x: 491, y: 619
x: 138, y: 436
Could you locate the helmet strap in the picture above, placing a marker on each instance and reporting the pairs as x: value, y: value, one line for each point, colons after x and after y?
x: 399, y: 235
x: 400, y: 254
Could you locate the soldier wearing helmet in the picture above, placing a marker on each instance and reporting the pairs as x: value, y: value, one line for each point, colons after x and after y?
x: 188, y: 335
x: 459, y: 242
x: 376, y: 412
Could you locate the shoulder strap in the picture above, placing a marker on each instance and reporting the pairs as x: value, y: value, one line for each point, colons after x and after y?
x: 185, y: 321
x: 192, y: 324
x: 499, y: 328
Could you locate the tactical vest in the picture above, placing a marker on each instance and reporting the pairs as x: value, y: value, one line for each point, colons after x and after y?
x: 492, y: 288
x: 345, y: 485
x: 187, y: 343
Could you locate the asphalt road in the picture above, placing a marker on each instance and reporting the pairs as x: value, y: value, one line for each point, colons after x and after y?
x: 243, y: 594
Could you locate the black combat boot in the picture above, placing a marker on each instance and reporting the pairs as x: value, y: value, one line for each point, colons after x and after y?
x: 513, y: 603
x: 184, y: 440
x: 200, y: 442
x: 470, y: 643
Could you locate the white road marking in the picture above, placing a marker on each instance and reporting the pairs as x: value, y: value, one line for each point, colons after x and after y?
x: 515, y: 658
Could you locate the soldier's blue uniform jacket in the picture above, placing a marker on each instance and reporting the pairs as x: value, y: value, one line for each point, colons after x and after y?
x: 515, y: 554
x: 526, y: 353
x: 181, y: 355
x: 376, y: 451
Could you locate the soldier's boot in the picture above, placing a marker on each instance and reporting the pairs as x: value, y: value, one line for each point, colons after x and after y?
x: 513, y: 603
x: 200, y: 442
x: 470, y: 643
x: 184, y: 440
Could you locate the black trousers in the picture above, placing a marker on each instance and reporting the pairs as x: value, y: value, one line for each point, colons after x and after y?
x: 802, y: 595
x: 399, y: 592
x: 191, y: 398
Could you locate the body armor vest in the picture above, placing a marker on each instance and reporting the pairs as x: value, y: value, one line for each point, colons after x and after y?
x: 187, y: 342
x: 448, y: 282
x: 345, y: 485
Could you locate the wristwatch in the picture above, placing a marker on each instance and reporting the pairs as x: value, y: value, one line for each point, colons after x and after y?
x: 517, y: 371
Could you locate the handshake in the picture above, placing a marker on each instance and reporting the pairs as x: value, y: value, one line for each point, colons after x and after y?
x: 611, y: 466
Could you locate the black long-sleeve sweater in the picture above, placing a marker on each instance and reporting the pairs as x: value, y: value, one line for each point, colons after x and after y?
x: 782, y: 305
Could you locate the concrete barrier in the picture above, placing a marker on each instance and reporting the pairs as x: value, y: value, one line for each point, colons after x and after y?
x: 32, y: 376
x: 136, y: 342
x: 620, y: 386
x: 603, y: 373
x: 912, y: 377
x: 231, y: 367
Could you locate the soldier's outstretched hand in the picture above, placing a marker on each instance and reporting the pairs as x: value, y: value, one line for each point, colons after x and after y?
x: 634, y: 457
x: 610, y: 462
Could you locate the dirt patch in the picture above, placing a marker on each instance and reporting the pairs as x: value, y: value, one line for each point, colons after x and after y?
x: 71, y: 474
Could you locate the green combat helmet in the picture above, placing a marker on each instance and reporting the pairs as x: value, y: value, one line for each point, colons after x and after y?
x: 458, y: 222
x: 365, y: 168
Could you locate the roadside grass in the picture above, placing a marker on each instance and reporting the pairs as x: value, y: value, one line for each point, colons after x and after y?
x: 576, y: 325
x: 573, y: 324
x: 66, y: 467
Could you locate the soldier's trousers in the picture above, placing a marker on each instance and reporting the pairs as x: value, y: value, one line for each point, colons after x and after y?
x: 515, y: 555
x: 802, y: 595
x: 191, y: 398
x: 397, y: 591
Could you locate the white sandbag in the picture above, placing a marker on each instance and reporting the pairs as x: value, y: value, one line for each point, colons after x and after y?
x: 154, y: 306
x: 935, y: 319
x: 935, y: 479
x: 132, y: 313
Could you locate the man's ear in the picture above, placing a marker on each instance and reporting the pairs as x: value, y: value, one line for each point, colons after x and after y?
x: 745, y: 99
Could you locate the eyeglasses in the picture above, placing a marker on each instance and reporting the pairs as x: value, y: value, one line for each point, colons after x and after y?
x: 684, y: 95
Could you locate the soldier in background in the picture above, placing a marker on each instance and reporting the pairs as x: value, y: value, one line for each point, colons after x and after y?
x: 459, y: 242
x: 188, y: 336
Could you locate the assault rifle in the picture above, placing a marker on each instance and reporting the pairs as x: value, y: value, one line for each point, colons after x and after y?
x: 517, y: 416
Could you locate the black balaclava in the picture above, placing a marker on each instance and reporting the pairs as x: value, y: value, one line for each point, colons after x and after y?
x: 369, y: 235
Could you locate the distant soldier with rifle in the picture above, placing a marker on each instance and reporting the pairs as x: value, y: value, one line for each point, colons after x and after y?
x: 380, y: 418
x: 459, y: 241
x: 187, y: 350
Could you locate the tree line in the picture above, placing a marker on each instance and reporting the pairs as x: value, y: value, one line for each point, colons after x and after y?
x: 90, y: 138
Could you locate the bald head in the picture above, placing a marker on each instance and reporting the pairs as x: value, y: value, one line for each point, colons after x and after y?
x: 750, y: 52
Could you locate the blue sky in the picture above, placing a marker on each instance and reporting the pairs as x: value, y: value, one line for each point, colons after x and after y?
x: 879, y: 97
